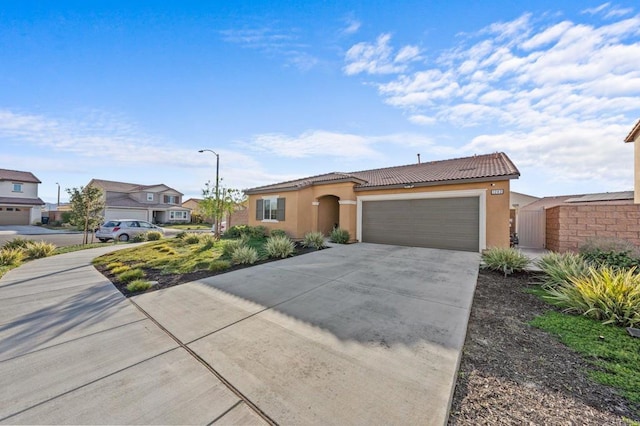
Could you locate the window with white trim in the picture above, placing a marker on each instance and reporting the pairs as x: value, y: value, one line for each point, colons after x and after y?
x: 171, y: 199
x: 270, y: 209
x: 178, y: 215
x: 149, y: 196
x: 17, y: 187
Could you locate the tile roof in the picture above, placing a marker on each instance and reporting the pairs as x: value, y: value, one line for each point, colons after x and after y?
x: 22, y: 201
x: 18, y: 176
x: 633, y: 133
x: 478, y: 167
x: 113, y: 186
x: 622, y: 197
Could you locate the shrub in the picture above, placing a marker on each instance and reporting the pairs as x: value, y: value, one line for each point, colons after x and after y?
x: 36, y: 250
x: 154, y: 236
x: 131, y: 275
x: 219, y: 265
x: 11, y: 256
x: 114, y: 265
x: 16, y: 243
x: 231, y: 246
x: 506, y: 260
x: 610, y: 252
x: 208, y: 241
x: 139, y: 238
x: 278, y: 233
x: 244, y: 255
x: 279, y: 246
x: 339, y: 236
x: 250, y: 231
x: 559, y: 268
x: 138, y: 285
x: 180, y: 235
x: 314, y: 240
x: 606, y: 294
x: 191, y: 238
x: 66, y: 217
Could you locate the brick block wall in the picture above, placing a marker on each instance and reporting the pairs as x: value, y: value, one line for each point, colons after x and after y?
x: 568, y: 227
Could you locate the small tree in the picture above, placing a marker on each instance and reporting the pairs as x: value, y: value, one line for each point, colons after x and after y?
x: 226, y: 202
x: 87, y: 207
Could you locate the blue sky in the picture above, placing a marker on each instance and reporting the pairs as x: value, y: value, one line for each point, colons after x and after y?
x: 130, y: 91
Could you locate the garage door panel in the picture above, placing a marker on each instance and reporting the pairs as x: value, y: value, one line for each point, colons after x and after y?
x: 14, y: 215
x: 448, y: 223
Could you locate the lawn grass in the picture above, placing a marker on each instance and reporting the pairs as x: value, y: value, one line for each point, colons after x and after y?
x: 610, y: 349
x: 172, y: 256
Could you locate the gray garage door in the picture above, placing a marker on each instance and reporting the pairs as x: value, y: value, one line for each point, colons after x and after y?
x: 14, y: 215
x: 446, y: 223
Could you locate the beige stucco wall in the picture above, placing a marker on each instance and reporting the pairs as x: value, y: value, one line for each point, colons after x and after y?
x: 636, y: 170
x: 301, y: 213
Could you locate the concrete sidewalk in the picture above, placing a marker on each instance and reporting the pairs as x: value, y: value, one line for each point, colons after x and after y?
x: 74, y: 350
x: 357, y: 334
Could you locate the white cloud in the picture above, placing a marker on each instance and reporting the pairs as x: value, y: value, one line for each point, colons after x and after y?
x: 379, y: 57
x: 559, y: 95
x: 608, y: 11
x: 352, y: 26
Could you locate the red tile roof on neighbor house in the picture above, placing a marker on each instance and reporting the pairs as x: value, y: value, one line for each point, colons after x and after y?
x: 633, y: 133
x: 18, y: 176
x: 477, y: 168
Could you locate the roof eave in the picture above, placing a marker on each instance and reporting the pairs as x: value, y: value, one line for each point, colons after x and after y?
x: 436, y: 183
x: 631, y: 137
x: 298, y: 187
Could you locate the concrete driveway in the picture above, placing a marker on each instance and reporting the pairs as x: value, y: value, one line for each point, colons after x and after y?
x: 357, y: 334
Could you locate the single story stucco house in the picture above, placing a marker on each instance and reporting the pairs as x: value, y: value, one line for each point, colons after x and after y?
x: 458, y: 204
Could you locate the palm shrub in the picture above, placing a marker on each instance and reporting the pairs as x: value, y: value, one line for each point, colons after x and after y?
x: 559, y: 268
x: 279, y: 246
x: 36, y: 250
x: 244, y: 255
x: 313, y: 240
x: 11, y: 256
x: 606, y: 293
x: 339, y: 236
x: 231, y: 246
x: 506, y: 260
x: 16, y: 243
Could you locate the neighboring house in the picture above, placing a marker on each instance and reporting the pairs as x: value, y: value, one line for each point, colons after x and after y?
x: 153, y: 203
x: 459, y: 204
x: 634, y: 136
x: 19, y: 202
x: 238, y: 217
x: 563, y: 223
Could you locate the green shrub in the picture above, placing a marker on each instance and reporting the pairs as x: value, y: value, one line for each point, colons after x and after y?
x: 278, y: 233
x: 207, y: 241
x: 17, y: 242
x: 139, y: 238
x: 36, y: 250
x: 191, y: 238
x: 180, y: 235
x: 131, y: 275
x: 610, y: 252
x: 154, y: 236
x: 230, y: 247
x: 138, y: 285
x: 606, y: 294
x: 219, y: 265
x: 114, y: 265
x: 117, y: 270
x: 279, y: 246
x: 66, y: 217
x: 313, y: 240
x: 250, y: 231
x: 339, y: 236
x: 244, y: 255
x: 559, y: 268
x: 11, y: 256
x: 505, y: 260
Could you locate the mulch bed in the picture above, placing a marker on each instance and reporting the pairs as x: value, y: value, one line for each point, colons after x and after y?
x: 165, y: 280
x: 513, y: 373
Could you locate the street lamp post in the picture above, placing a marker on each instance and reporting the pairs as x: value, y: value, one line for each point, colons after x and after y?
x: 217, y: 184
x: 58, y: 193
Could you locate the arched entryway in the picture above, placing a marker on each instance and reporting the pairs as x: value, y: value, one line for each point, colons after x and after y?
x: 328, y: 213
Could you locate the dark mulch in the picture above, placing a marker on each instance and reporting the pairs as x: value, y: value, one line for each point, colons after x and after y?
x: 165, y: 280
x: 512, y: 373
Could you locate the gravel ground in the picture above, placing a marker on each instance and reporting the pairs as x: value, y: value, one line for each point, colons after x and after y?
x: 512, y: 373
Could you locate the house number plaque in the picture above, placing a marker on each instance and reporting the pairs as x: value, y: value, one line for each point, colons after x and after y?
x: 497, y: 191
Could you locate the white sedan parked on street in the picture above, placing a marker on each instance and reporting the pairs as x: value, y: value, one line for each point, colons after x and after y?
x: 124, y: 229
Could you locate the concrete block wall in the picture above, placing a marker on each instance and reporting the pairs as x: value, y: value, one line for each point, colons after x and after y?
x: 568, y: 227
